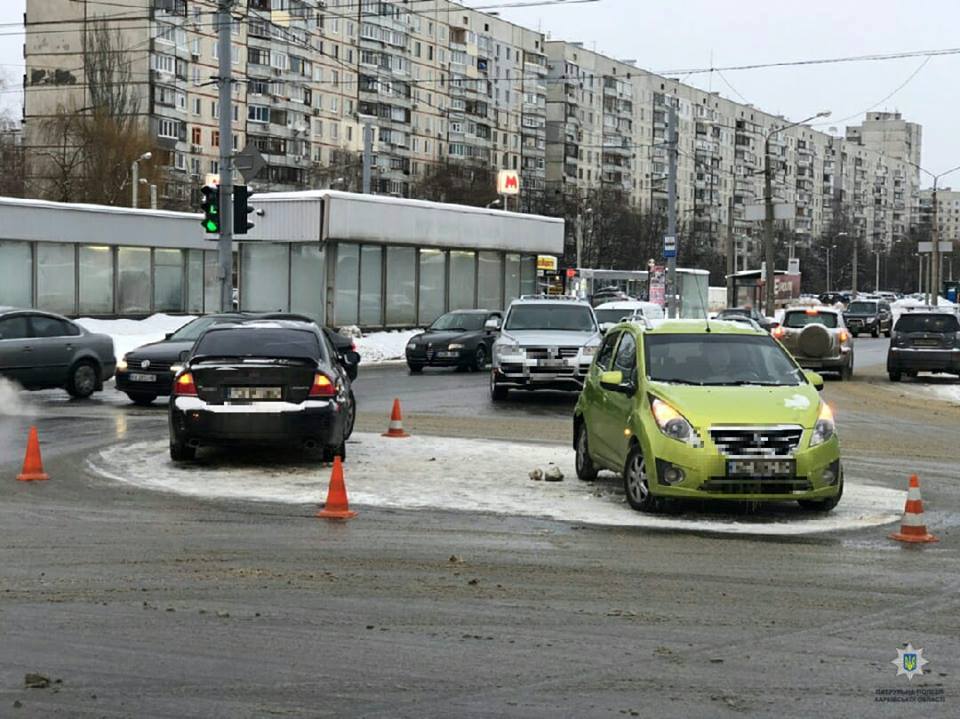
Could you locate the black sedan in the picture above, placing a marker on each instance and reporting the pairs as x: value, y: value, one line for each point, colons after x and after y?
x: 147, y: 372
x: 456, y: 339
x: 731, y: 313
x: 262, y: 382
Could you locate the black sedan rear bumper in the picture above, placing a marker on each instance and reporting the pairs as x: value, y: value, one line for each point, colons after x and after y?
x: 194, y: 422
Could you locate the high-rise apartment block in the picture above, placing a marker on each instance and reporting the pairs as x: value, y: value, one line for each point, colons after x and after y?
x: 445, y: 84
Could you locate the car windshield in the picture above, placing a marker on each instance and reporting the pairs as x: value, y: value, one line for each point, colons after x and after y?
x: 281, y: 343
x: 719, y: 359
x: 809, y: 317
x: 463, y: 321
x: 574, y: 318
x: 614, y: 315
x: 927, y: 323
x: 863, y: 308
x: 190, y: 331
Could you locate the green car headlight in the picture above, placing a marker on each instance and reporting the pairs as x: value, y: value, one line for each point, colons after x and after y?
x: 673, y: 424
x: 825, y: 427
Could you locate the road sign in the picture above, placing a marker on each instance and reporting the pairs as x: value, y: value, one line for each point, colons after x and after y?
x: 925, y: 248
x: 508, y: 182
x: 547, y: 263
x: 669, y: 246
x: 249, y: 162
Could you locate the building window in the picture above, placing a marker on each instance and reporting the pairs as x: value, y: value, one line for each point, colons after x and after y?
x: 258, y: 113
x: 168, y: 128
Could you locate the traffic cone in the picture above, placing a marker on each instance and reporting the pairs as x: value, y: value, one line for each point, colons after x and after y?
x: 32, y: 463
x: 336, y: 506
x: 396, y: 422
x: 912, y: 528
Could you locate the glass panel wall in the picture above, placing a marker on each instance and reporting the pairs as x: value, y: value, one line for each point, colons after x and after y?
x: 433, y: 285
x: 306, y: 280
x: 56, y: 277
x: 371, y: 285
x: 133, y: 280
x: 168, y: 280
x: 195, y: 281
x: 401, y: 286
x: 462, y: 280
x: 511, y: 286
x: 96, y: 280
x: 16, y: 272
x: 346, y: 285
x: 265, y: 276
x: 211, y: 285
x: 528, y: 275
x: 490, y: 281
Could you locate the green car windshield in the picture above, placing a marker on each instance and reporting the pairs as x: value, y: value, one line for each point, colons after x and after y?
x: 719, y: 359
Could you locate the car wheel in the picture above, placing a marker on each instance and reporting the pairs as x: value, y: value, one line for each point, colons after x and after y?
x: 180, y: 452
x: 415, y: 368
x: 480, y: 358
x: 497, y: 393
x: 894, y: 375
x: 822, y: 505
x: 83, y: 380
x: 875, y: 332
x: 141, y: 399
x: 586, y: 470
x: 888, y: 333
x: 350, y: 419
x: 846, y: 372
x: 636, y: 482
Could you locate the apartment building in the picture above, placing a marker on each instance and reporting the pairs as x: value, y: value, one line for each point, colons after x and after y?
x: 948, y: 213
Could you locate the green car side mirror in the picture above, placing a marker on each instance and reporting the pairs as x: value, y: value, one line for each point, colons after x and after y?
x: 614, y: 382
x: 813, y: 378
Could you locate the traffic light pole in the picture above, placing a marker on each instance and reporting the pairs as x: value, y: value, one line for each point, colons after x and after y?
x: 672, y: 151
x: 225, y: 81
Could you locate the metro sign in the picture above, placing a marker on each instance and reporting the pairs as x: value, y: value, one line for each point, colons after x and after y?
x: 508, y: 182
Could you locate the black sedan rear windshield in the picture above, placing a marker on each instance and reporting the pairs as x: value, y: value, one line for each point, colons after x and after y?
x: 927, y: 323
x: 242, y: 342
x: 719, y: 359
x: 802, y: 319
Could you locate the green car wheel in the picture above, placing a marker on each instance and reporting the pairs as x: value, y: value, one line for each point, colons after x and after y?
x: 586, y: 470
x: 636, y: 483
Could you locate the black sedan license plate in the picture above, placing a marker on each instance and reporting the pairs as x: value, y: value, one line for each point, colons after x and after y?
x: 254, y: 393
x: 761, y: 467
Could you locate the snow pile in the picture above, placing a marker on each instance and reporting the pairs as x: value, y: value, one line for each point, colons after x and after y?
x: 130, y: 334
x: 468, y: 475
x: 384, y: 346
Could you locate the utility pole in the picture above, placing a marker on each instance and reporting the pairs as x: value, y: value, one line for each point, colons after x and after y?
x: 856, y: 244
x: 771, y: 273
x: 368, y: 121
x: 935, y: 257
x: 225, y: 82
x: 876, y: 284
x: 672, y: 151
x: 731, y: 253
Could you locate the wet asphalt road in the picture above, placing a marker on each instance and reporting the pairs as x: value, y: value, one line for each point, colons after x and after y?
x: 147, y: 604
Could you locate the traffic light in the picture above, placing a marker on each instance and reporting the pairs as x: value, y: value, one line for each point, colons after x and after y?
x: 241, y: 195
x: 211, y: 209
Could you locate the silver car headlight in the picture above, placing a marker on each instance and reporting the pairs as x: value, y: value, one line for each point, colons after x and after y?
x: 588, y: 351
x: 502, y: 349
x: 673, y: 424
x: 825, y: 427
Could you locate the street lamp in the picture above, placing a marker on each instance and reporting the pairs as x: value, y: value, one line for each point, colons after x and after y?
x: 831, y: 248
x: 935, y: 280
x: 771, y: 274
x: 135, y: 174
x: 494, y: 203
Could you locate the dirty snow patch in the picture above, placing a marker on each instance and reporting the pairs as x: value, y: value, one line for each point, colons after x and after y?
x: 798, y: 401
x: 468, y: 475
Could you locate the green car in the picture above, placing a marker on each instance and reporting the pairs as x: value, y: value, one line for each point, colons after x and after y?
x: 688, y: 410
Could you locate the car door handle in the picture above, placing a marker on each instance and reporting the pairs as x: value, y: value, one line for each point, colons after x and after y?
x: 28, y: 349
x: 69, y: 348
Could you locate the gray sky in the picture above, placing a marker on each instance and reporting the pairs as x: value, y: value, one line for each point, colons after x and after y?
x: 684, y: 33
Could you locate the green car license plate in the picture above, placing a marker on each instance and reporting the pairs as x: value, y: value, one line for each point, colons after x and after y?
x: 761, y: 467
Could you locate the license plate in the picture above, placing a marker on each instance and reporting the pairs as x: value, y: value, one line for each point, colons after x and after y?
x: 447, y: 355
x: 760, y: 467
x: 138, y: 377
x: 254, y: 393
x: 552, y: 363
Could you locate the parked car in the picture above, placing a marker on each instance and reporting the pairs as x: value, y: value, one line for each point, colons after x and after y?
x: 720, y: 412
x: 456, y: 339
x: 41, y: 350
x: 274, y: 382
x: 742, y: 320
x: 869, y: 315
x: 147, y: 372
x: 610, y: 313
x: 818, y: 339
x: 765, y: 323
x: 545, y: 343
x: 609, y: 294
x: 924, y: 341
x: 834, y: 298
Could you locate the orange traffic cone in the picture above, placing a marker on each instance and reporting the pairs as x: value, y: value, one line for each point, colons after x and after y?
x: 32, y: 463
x: 337, y: 506
x: 912, y: 528
x: 396, y: 422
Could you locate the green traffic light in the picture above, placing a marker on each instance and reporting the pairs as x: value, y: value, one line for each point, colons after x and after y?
x: 212, y: 226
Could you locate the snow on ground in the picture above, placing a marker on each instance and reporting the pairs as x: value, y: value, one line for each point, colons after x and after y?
x: 422, y: 473
x: 130, y: 334
x: 900, y: 306
x: 940, y: 387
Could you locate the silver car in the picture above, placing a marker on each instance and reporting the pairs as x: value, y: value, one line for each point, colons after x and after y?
x: 545, y: 343
x: 818, y: 339
x: 40, y: 350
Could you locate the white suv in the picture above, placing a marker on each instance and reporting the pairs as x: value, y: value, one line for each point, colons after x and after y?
x: 544, y: 343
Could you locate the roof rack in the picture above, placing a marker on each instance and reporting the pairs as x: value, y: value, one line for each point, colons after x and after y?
x: 567, y: 298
